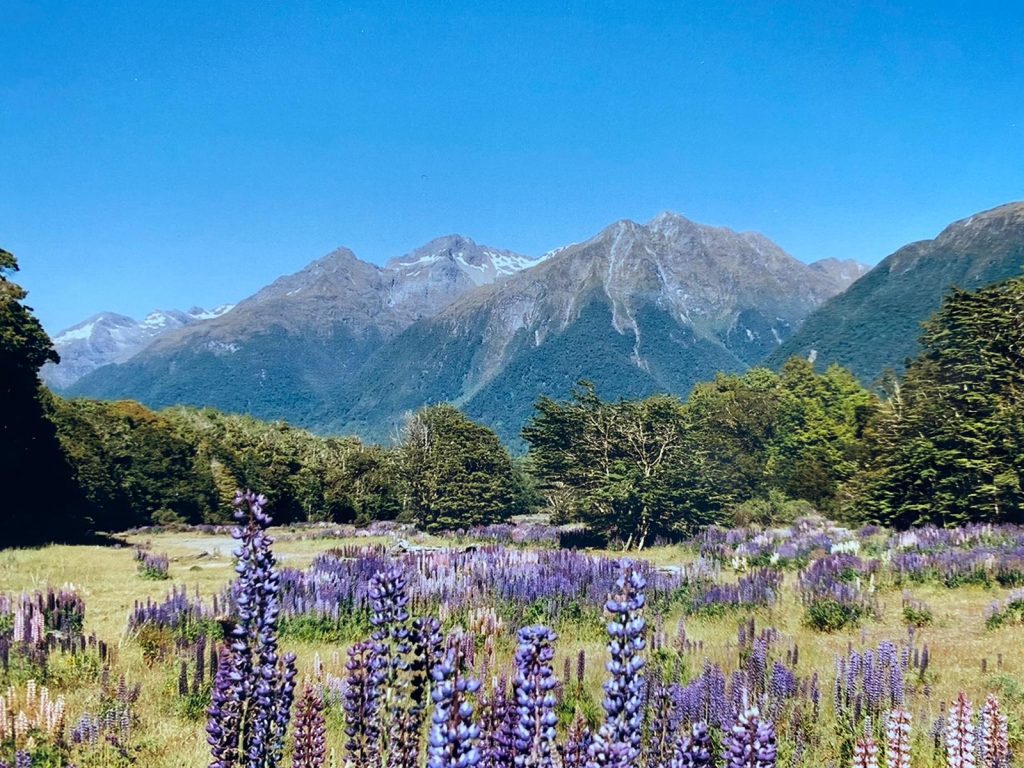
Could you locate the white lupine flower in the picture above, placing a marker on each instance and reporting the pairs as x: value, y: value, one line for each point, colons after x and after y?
x: 897, y: 739
x: 960, y: 734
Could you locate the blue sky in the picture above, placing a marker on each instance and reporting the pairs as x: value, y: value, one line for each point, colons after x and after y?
x: 172, y: 154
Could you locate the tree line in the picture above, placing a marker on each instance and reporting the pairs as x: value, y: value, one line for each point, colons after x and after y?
x: 942, y: 444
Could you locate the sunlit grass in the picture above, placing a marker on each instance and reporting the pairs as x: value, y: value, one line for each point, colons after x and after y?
x: 108, y: 579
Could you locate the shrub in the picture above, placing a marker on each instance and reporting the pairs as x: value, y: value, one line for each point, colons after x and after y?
x: 917, y: 614
x: 1011, y: 612
x: 830, y: 615
x: 773, y: 510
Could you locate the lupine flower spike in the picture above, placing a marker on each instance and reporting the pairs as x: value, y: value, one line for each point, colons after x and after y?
x: 575, y: 751
x: 454, y: 737
x: 361, y: 703
x: 994, y: 747
x: 865, y: 752
x: 693, y: 749
x: 309, y: 732
x: 897, y: 739
x: 535, y: 699
x: 750, y: 743
x: 253, y: 689
x: 960, y: 735
x: 617, y: 743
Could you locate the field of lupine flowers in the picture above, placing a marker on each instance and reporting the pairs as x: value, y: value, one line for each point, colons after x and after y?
x: 804, y: 645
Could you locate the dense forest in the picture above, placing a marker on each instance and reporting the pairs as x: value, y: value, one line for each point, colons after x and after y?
x: 942, y: 444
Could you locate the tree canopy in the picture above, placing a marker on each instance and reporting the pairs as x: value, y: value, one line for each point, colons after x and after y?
x: 455, y: 473
x: 947, y: 446
x: 630, y: 469
x: 40, y: 502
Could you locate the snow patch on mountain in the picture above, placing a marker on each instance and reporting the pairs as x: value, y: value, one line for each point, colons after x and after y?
x: 111, y: 338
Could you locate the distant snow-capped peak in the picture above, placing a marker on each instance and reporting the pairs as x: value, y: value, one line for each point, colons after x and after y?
x: 112, y: 338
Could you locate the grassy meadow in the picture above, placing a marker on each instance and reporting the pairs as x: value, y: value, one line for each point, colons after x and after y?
x: 965, y: 655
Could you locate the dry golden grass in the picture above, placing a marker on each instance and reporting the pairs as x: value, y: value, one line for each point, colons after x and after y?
x: 110, y: 584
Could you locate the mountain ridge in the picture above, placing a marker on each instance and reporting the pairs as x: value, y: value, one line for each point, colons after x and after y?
x: 670, y: 283
x: 874, y: 325
x: 345, y: 345
x: 109, y: 337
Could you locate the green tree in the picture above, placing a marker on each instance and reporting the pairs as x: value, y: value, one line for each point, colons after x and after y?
x: 947, y: 446
x: 40, y: 501
x: 818, y: 442
x: 792, y: 435
x: 631, y: 469
x: 455, y: 473
x: 132, y: 465
x: 735, y: 419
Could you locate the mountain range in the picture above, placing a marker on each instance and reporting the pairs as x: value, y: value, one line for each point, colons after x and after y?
x: 111, y: 338
x: 344, y: 346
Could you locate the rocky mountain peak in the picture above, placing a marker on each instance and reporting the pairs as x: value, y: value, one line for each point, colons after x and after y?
x: 842, y: 272
x: 985, y: 228
x: 109, y: 337
x: 481, y: 264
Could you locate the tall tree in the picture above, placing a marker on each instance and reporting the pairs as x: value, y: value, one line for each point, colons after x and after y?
x: 818, y: 444
x: 948, y: 444
x: 456, y: 473
x: 629, y: 469
x: 39, y: 499
x: 736, y: 420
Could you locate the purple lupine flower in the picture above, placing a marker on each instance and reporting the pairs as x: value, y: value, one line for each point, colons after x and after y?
x: 22, y: 759
x: 693, y: 750
x: 309, y: 737
x: 403, y: 654
x: 960, y: 734
x: 750, y: 742
x: 758, y: 588
x: 663, y: 721
x: 152, y: 566
x: 199, y: 677
x: 498, y: 730
x: 617, y: 742
x: 993, y: 746
x: 361, y: 704
x: 576, y: 750
x: 718, y: 705
x: 253, y: 690
x: 225, y: 714
x: 535, y: 699
x: 897, y: 739
x: 756, y: 666
x: 453, y: 739
x: 782, y: 686
x: 869, y: 684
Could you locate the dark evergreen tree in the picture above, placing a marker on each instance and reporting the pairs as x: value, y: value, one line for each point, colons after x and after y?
x: 40, y: 501
x: 455, y: 473
x: 948, y: 444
